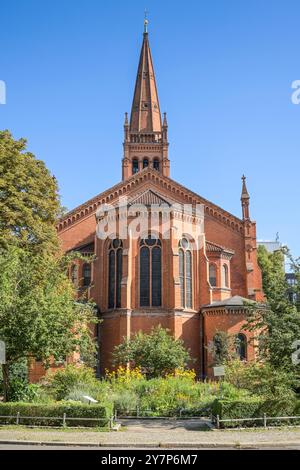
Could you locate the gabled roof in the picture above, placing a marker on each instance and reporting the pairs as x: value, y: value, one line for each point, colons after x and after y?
x: 140, y: 180
x: 149, y: 198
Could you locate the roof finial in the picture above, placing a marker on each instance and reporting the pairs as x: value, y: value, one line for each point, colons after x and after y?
x: 245, y: 198
x: 146, y: 22
x: 245, y: 193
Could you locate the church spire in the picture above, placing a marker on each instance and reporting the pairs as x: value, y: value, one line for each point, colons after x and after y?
x: 245, y: 198
x: 145, y: 111
x: 145, y: 136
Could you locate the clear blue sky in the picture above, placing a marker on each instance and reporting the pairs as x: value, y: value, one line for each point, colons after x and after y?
x: 224, y: 70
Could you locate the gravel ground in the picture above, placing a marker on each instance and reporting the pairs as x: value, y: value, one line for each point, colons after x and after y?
x: 157, y: 434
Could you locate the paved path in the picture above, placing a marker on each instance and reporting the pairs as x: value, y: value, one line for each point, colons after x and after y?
x: 157, y: 434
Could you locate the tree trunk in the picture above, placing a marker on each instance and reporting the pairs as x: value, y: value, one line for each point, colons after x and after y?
x: 5, y: 373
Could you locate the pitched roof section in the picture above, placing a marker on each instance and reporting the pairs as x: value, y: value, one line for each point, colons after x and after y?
x: 214, y: 247
x: 149, y: 175
x: 149, y: 198
x: 145, y: 111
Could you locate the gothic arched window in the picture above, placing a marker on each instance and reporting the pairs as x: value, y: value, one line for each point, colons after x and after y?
x: 115, y: 252
x: 213, y: 275
x: 185, y: 274
x: 86, y: 274
x: 241, y: 346
x: 145, y: 163
x: 135, y: 166
x: 225, y: 276
x: 156, y: 164
x: 150, y: 272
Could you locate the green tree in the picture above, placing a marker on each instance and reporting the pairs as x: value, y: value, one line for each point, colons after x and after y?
x: 29, y: 201
x: 156, y: 353
x: 39, y: 316
x: 278, y: 326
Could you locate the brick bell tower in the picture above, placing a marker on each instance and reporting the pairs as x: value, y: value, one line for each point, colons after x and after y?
x: 146, y: 135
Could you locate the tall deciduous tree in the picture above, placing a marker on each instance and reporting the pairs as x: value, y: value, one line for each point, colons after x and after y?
x: 29, y: 202
x: 279, y: 325
x: 156, y: 353
x: 39, y: 316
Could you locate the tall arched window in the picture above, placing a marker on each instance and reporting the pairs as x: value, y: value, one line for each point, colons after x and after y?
x: 115, y: 252
x: 213, y: 275
x: 156, y: 164
x: 185, y: 274
x: 86, y: 274
x: 145, y: 162
x: 74, y: 274
x: 225, y: 276
x: 150, y: 272
x: 135, y: 166
x: 241, y: 346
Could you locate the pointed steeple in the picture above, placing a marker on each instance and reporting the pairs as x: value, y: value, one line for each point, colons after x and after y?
x: 145, y: 137
x: 245, y: 198
x: 145, y: 111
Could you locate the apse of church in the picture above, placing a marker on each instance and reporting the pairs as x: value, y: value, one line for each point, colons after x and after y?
x: 191, y: 272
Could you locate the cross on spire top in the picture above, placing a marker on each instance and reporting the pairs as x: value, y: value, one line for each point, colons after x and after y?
x: 146, y: 21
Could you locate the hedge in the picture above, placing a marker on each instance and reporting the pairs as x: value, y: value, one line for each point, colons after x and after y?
x: 72, y: 410
x: 255, y: 408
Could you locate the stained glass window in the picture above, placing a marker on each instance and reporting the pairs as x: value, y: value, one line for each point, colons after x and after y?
x: 150, y: 272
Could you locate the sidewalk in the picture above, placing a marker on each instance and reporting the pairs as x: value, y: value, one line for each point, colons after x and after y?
x: 166, y: 436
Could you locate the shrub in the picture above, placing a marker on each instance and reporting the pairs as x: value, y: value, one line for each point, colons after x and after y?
x: 100, y: 390
x: 156, y: 353
x: 253, y: 407
x: 125, y: 402
x: 74, y: 410
x: 260, y: 379
x: 64, y: 380
x: 19, y: 387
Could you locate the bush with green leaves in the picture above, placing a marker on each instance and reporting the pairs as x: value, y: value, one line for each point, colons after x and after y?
x: 255, y: 407
x: 260, y: 379
x: 20, y: 388
x: 156, y: 353
x: 102, y: 412
x: 65, y: 380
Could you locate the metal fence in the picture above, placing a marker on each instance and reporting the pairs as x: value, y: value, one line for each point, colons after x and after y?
x: 18, y: 419
x: 137, y: 413
x: 263, y: 420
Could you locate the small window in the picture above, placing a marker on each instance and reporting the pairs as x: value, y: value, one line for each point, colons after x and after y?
x: 74, y: 274
x: 225, y: 276
x: 86, y: 274
x: 213, y: 275
x: 135, y: 166
x: 156, y: 164
x: 241, y: 346
x: 145, y: 163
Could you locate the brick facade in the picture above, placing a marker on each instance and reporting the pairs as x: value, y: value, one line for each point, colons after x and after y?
x: 229, y: 243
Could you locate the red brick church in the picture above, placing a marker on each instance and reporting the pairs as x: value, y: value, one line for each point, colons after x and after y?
x: 141, y: 281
